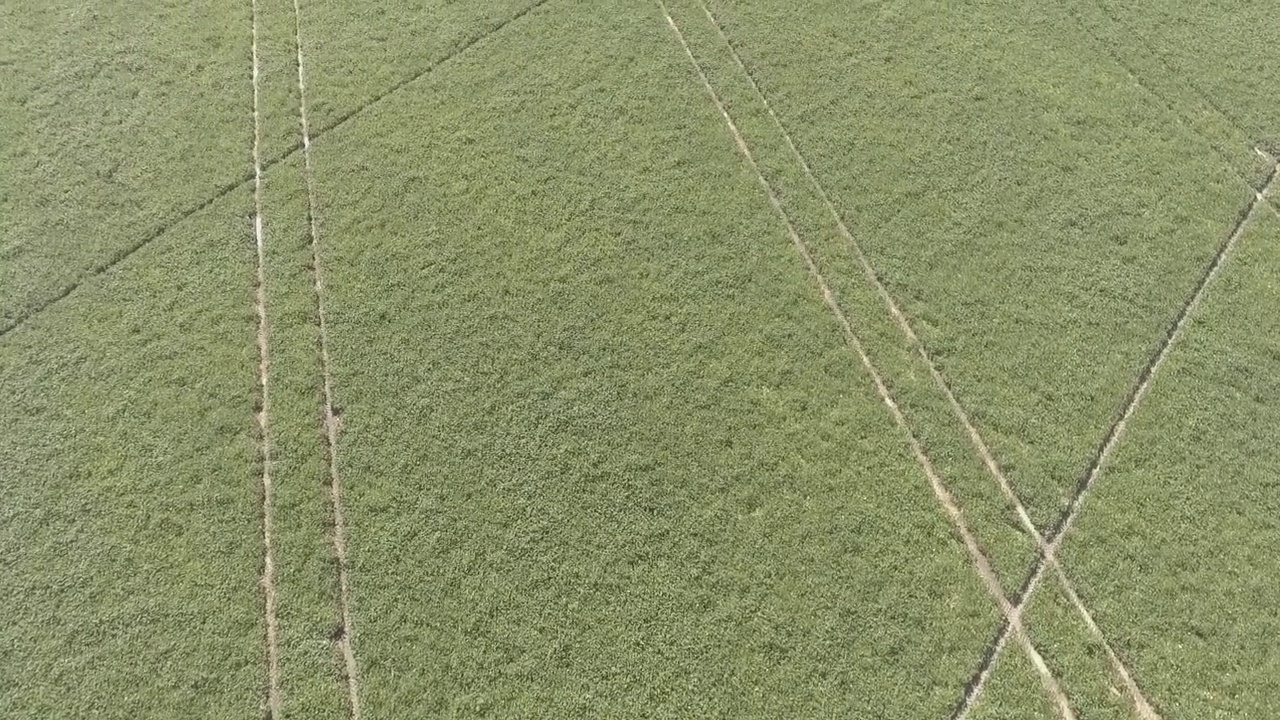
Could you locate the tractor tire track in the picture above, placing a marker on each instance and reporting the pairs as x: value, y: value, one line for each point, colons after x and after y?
x: 948, y: 503
x: 262, y: 413
x: 345, y: 637
x: 1113, y: 435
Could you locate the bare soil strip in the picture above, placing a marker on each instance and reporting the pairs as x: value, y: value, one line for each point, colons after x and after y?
x: 981, y: 565
x: 22, y: 316
x: 1116, y: 431
x: 1136, y: 697
x: 274, y: 704
x: 346, y: 636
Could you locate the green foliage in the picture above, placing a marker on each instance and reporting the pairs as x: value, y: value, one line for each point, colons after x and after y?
x: 606, y: 454
x: 303, y: 518
x: 1219, y: 53
x: 1173, y: 548
x: 130, y: 526
x: 605, y: 451
x: 358, y: 51
x: 1038, y: 214
x: 117, y: 121
x: 1075, y: 655
x: 1014, y: 692
x: 907, y: 375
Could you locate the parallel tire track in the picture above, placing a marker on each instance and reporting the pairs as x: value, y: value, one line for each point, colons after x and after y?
x: 984, y: 452
x: 1116, y: 431
x: 346, y: 635
x: 1140, y: 703
x: 981, y: 564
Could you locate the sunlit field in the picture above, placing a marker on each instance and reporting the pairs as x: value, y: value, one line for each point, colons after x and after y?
x: 639, y: 359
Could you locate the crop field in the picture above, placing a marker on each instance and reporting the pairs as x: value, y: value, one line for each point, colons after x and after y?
x: 640, y: 359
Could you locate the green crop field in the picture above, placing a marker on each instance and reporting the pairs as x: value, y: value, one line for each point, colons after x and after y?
x: 640, y: 359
